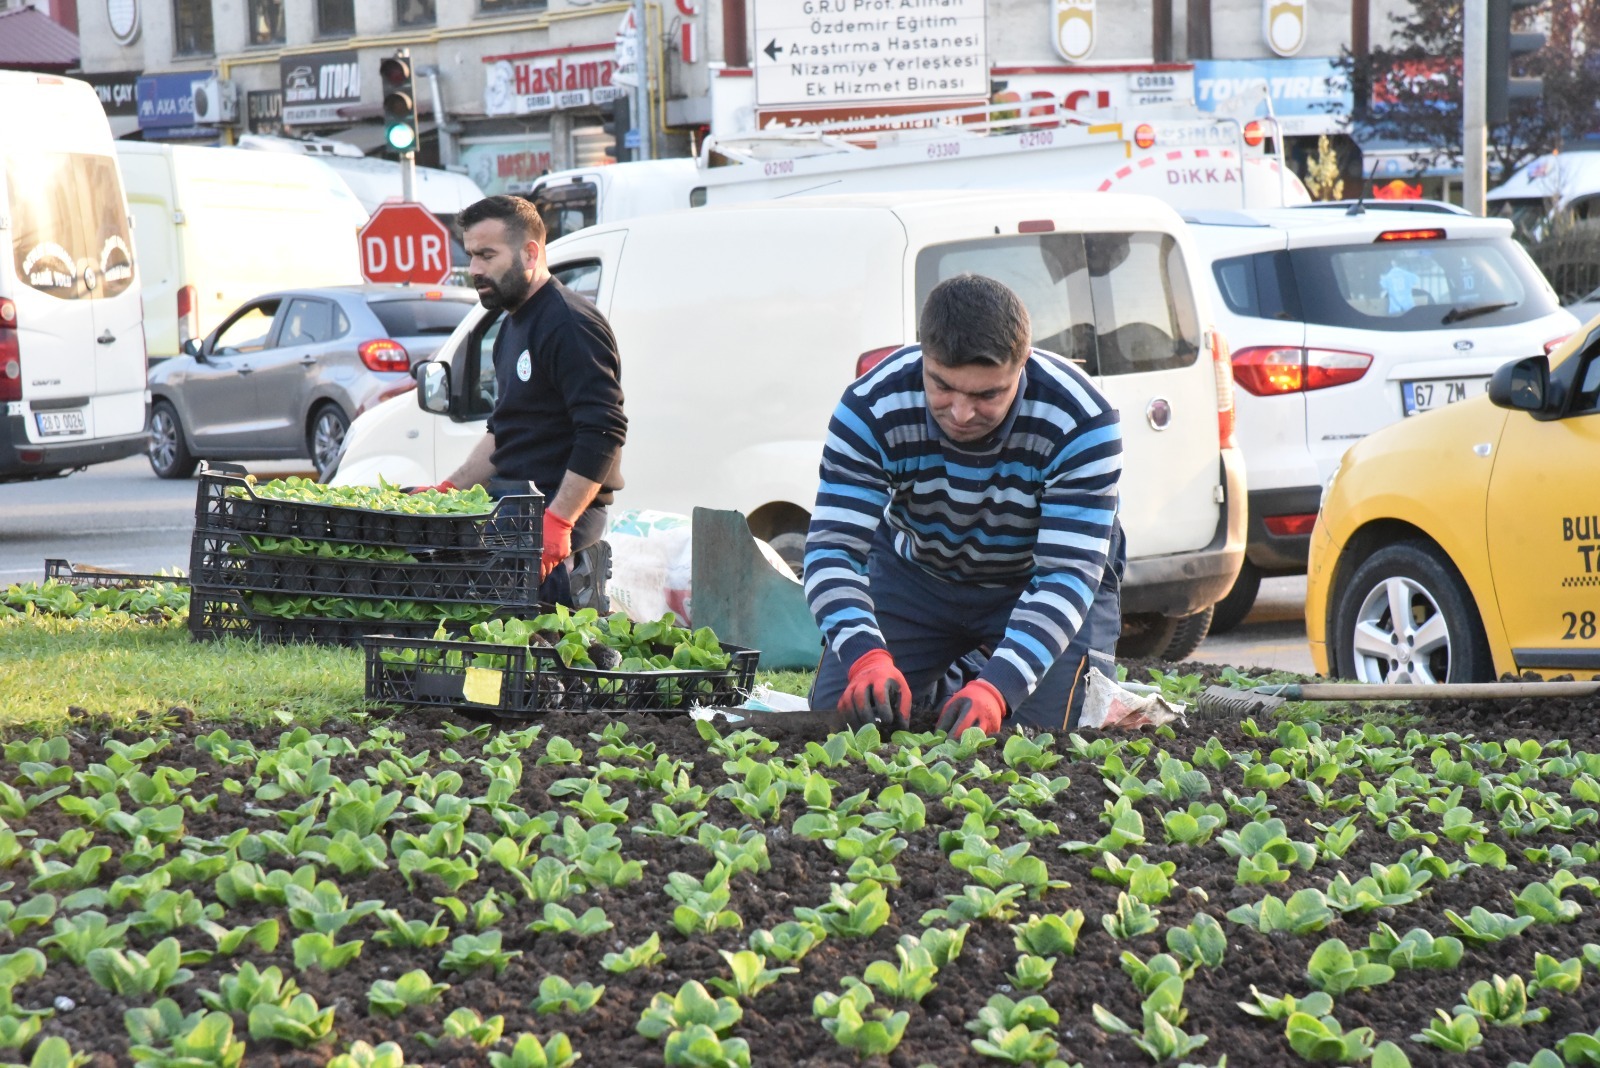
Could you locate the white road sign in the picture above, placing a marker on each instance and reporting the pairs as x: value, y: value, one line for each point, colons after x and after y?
x: 823, y: 52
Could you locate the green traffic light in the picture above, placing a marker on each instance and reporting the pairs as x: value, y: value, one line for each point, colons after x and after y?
x: 401, y: 137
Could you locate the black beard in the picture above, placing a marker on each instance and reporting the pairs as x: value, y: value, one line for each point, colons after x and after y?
x: 507, y: 292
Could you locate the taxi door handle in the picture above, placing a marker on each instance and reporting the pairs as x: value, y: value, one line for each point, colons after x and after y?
x: 247, y: 370
x: 106, y: 338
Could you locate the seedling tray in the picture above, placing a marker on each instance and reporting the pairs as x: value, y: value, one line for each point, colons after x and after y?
x: 223, y: 613
x: 62, y: 571
x: 458, y: 576
x: 524, y: 681
x: 225, y: 502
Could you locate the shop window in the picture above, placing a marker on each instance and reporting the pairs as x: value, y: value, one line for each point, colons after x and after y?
x: 494, y: 7
x: 336, y: 18
x: 191, y: 28
x: 414, y: 12
x: 266, y: 22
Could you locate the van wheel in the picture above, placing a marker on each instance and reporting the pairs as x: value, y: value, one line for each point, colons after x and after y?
x: 1152, y: 636
x: 325, y: 438
x: 1406, y: 615
x: 791, y: 545
x: 1235, y: 606
x: 169, y: 456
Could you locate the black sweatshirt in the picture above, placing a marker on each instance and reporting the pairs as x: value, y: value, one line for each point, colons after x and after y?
x: 559, y: 405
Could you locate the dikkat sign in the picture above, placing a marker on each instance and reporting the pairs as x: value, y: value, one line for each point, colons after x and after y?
x: 554, y: 80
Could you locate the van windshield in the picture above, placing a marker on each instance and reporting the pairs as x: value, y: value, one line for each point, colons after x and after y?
x: 567, y: 207
x: 69, y: 224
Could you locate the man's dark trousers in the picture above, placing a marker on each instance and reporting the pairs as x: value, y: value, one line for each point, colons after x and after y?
x: 929, y: 623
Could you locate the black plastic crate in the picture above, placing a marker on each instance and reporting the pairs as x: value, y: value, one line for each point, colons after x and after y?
x: 222, y: 613
x: 226, y: 560
x: 225, y: 502
x: 534, y: 679
x: 68, y: 573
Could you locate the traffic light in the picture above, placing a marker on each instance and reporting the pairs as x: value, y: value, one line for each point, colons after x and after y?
x: 615, y: 124
x: 1504, y: 52
x: 399, y: 103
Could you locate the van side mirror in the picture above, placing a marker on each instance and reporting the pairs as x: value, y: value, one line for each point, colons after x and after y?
x: 194, y: 347
x: 1521, y: 385
x: 433, y: 386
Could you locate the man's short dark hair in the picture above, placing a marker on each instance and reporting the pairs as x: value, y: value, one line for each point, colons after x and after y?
x: 972, y: 319
x: 521, y: 218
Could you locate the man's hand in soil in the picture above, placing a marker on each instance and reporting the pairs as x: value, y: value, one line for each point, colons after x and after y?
x: 877, y: 692
x: 557, y: 543
x: 977, y: 704
x: 444, y: 487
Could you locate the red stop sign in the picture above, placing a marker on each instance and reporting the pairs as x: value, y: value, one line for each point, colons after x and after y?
x: 405, y: 243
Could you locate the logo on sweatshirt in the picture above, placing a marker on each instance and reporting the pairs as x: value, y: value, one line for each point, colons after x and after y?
x: 524, y: 366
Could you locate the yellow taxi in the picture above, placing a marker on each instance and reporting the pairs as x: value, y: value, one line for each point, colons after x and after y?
x: 1464, y: 543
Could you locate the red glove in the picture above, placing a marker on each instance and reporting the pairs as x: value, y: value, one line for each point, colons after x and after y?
x: 877, y: 692
x: 977, y: 704
x: 557, y: 543
x: 444, y: 487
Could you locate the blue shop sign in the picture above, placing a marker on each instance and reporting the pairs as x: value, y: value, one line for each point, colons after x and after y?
x: 167, y: 107
x: 1308, y: 95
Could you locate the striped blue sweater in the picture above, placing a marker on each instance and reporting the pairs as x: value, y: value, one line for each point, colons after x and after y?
x: 1032, y: 507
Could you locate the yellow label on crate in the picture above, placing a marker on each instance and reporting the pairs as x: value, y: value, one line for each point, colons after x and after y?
x: 482, y: 686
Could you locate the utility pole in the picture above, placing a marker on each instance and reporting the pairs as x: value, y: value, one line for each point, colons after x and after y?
x: 1474, y: 113
x: 643, y: 122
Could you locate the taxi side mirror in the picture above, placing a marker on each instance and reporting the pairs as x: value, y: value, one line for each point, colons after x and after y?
x: 433, y: 386
x: 1521, y: 385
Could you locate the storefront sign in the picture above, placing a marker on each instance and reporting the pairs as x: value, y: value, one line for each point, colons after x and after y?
x: 316, y: 86
x: 166, y: 105
x: 827, y: 53
x: 1097, y: 89
x: 1074, y: 36
x: 264, y: 111
x: 506, y: 164
x: 1283, y: 24
x: 557, y: 80
x: 118, y: 91
x: 1308, y: 96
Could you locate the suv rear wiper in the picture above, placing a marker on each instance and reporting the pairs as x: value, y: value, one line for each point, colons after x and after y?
x: 1455, y: 315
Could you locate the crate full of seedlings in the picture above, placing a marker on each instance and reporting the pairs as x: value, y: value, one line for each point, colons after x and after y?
x: 228, y: 500
x: 561, y: 660
x: 273, y: 617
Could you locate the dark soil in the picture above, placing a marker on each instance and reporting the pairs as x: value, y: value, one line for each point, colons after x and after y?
x: 778, y: 1023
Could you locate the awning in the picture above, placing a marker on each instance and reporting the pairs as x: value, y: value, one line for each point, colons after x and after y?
x: 31, y: 40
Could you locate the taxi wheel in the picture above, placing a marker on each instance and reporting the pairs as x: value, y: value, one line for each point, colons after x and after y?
x: 1406, y: 615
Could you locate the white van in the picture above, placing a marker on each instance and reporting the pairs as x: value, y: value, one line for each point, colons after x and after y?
x: 216, y: 227
x: 72, y: 359
x: 740, y: 327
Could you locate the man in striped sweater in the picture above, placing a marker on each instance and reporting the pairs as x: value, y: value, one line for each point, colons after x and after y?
x: 967, y: 507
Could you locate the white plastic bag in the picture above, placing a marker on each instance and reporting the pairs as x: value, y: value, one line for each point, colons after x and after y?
x: 1107, y: 706
x: 650, y: 564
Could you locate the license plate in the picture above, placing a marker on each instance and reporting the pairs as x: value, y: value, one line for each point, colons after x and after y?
x: 1426, y: 396
x: 57, y: 424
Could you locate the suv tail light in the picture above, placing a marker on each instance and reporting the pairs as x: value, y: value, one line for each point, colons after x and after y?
x: 188, y: 315
x: 872, y: 358
x: 1285, y: 526
x: 1268, y: 371
x: 10, y: 353
x: 1555, y: 343
x: 1226, y: 424
x: 383, y: 354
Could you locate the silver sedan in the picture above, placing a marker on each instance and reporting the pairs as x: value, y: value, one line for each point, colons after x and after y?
x: 283, y: 376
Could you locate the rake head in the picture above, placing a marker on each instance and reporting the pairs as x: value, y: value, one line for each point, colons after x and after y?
x: 1240, y: 703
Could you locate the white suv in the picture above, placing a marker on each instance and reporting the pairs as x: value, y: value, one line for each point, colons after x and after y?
x: 1344, y: 321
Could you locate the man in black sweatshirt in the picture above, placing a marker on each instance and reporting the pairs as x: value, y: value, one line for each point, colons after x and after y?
x: 558, y: 419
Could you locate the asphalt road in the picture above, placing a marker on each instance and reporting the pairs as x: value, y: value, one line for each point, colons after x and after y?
x: 121, y: 516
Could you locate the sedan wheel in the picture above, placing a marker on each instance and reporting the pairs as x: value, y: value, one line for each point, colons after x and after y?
x: 326, y: 438
x: 169, y: 456
x: 1406, y: 615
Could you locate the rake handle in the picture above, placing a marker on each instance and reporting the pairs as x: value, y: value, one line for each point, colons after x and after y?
x: 1470, y: 691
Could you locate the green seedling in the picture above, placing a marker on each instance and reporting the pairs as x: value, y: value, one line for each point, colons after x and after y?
x: 976, y: 903
x: 466, y: 1025
x: 665, y: 823
x: 1034, y: 755
x: 750, y: 974
x: 1032, y: 826
x: 556, y: 1052
x: 410, y: 934
x: 703, y: 902
x: 1049, y: 935
x: 1315, y: 1005
x: 1201, y: 943
x: 453, y: 872
x: 1453, y: 1034
x: 759, y: 796
x: 1148, y: 975
x: 1503, y: 1002
x: 853, y: 910
x: 548, y: 880
x: 556, y: 994
x: 1150, y: 883
x: 89, y: 930
x: 911, y: 980
x: 393, y: 996
x: 35, y: 912
x: 1482, y: 927
x: 1003, y: 1014
x: 561, y: 920
x: 995, y: 867
x: 697, y: 1046
x: 1033, y: 973
x: 1543, y: 905
x: 1036, y: 791
x: 301, y: 1023
x: 738, y: 849
x: 198, y: 1039
x: 1127, y: 829
x: 53, y: 875
x: 1335, y: 969
x: 1161, y: 1038
x: 788, y: 941
x: 1562, y: 976
x: 247, y: 987
x: 1320, y: 1039
x: 1193, y: 826
x: 1386, y: 887
x: 692, y: 1005
x: 1306, y: 912
x: 559, y: 751
x: 324, y: 908
x: 942, y: 943
x: 643, y: 955
x: 18, y: 1031
x: 874, y: 1037
x: 364, y: 1055
x: 898, y: 810
x: 1019, y: 1045
x: 470, y: 952
x: 316, y: 950
x: 1132, y: 918
x: 132, y: 974
x: 1416, y: 949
